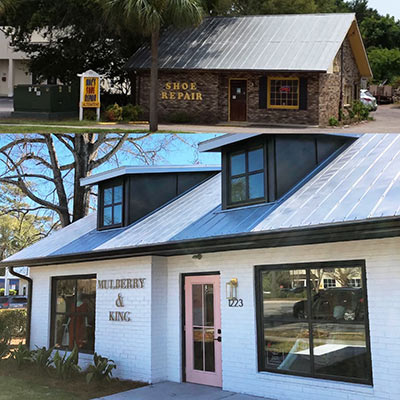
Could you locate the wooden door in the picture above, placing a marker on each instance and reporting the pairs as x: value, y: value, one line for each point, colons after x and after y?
x: 203, y: 330
x: 238, y: 100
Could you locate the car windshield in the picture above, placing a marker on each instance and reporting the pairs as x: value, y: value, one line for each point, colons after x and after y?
x: 18, y: 300
x: 369, y: 93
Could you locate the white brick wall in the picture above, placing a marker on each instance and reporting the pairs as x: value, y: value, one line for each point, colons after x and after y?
x: 239, y: 345
x: 150, y: 347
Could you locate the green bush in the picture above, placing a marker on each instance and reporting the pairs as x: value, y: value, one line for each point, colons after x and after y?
x: 333, y: 121
x: 66, y: 366
x: 131, y: 112
x: 360, y: 110
x: 101, y: 370
x: 180, y: 117
x: 15, y: 322
x: 89, y: 114
x: 41, y: 357
x: 12, y: 292
x: 2, y: 292
x: 114, y: 113
x: 22, y: 355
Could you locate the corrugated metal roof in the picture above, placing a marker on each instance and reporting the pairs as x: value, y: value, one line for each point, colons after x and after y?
x: 361, y: 184
x: 305, y: 42
x: 147, y: 169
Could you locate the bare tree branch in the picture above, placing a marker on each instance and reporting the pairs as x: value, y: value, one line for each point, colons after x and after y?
x: 111, y: 153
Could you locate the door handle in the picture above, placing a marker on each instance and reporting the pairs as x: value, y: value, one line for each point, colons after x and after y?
x: 218, y: 339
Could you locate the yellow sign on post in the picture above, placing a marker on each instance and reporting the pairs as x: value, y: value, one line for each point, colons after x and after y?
x: 90, y: 93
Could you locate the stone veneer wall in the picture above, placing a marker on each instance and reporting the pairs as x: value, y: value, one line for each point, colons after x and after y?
x: 330, y: 84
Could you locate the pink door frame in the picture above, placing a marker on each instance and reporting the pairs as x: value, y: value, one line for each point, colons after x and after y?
x: 192, y: 375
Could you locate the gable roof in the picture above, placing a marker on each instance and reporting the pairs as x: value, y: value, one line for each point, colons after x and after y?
x: 359, y: 186
x: 297, y: 42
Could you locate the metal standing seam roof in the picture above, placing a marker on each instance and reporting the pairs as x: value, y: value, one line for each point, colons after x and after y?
x: 360, y: 184
x: 298, y: 42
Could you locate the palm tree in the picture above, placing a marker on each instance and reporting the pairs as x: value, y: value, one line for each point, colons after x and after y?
x: 149, y: 16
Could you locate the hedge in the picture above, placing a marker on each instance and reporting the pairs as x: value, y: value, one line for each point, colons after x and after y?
x: 13, y: 323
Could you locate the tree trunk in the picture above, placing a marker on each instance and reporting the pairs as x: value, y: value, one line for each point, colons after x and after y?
x: 154, y: 82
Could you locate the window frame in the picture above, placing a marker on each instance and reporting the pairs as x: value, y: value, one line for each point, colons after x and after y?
x: 100, y: 216
x: 246, y: 175
x: 282, y: 78
x: 259, y: 299
x: 53, y: 312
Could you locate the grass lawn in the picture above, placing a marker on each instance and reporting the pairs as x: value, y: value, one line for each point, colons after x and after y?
x: 32, y: 383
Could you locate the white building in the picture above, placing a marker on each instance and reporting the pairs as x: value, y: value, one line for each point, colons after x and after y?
x: 188, y: 274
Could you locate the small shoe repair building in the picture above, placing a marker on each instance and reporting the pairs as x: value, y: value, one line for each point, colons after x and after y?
x: 277, y: 276
x: 280, y: 69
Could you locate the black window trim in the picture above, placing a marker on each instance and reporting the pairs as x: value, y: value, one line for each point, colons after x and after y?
x: 100, y: 213
x: 258, y: 295
x: 228, y: 176
x: 53, y: 297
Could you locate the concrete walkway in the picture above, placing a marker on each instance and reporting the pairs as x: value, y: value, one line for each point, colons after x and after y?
x: 179, y: 391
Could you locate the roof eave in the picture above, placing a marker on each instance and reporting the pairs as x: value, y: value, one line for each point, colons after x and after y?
x: 360, y: 230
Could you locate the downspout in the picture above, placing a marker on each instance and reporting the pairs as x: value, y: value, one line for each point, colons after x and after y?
x: 29, y: 307
x: 341, y: 82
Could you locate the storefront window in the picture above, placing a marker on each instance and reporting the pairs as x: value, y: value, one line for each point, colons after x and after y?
x: 314, y: 329
x: 283, y: 93
x: 247, y: 176
x: 73, y: 313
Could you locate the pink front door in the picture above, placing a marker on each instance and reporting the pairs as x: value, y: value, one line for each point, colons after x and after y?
x: 203, y: 330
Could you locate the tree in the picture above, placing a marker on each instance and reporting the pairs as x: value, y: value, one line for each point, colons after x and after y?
x: 77, y: 38
x: 385, y: 63
x: 47, y: 168
x: 149, y: 16
x: 20, y: 224
x: 383, y: 32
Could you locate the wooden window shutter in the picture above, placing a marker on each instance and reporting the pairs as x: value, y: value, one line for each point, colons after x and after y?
x: 303, y: 94
x: 262, y: 92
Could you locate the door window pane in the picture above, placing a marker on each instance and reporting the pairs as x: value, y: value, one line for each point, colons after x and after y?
x: 256, y: 186
x: 197, y: 304
x: 209, y: 351
x: 198, y: 349
x: 238, y: 164
x: 256, y: 160
x: 208, y: 305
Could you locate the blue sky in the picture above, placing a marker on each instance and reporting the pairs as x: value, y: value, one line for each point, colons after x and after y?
x: 391, y: 7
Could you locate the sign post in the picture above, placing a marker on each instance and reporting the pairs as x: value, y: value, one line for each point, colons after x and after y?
x: 89, y: 93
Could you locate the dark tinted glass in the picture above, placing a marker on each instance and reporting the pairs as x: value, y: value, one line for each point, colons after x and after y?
x: 256, y: 160
x: 256, y: 186
x: 238, y: 164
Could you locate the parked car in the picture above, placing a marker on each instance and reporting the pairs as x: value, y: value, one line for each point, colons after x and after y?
x: 344, y: 303
x: 4, y: 302
x: 17, y: 302
x: 368, y: 99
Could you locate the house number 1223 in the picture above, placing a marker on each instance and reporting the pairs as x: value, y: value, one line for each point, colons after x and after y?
x: 235, y: 303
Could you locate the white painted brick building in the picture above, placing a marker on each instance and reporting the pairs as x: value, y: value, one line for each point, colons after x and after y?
x: 357, y: 357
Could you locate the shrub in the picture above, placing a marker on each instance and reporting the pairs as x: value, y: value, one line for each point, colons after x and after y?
x: 131, y: 112
x: 66, y: 366
x: 180, y: 117
x: 41, y: 357
x: 15, y: 322
x: 360, y: 110
x: 2, y: 292
x: 101, y: 370
x: 333, y: 121
x: 113, y: 113
x: 22, y: 355
x: 12, y: 292
x: 89, y: 114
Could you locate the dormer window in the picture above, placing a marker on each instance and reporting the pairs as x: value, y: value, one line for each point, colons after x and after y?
x: 111, y: 201
x: 247, y: 176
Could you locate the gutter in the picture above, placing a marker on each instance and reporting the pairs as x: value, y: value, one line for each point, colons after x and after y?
x: 29, y: 309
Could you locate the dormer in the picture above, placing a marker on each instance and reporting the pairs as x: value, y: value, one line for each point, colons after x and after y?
x: 127, y: 194
x: 262, y: 168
